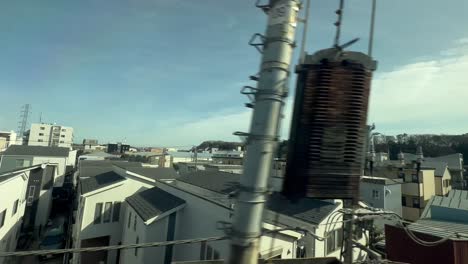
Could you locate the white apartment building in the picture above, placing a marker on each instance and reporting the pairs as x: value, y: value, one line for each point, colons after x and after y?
x: 8, y: 138
x: 50, y: 135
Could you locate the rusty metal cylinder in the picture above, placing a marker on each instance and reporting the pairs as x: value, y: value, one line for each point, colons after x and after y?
x: 328, y: 131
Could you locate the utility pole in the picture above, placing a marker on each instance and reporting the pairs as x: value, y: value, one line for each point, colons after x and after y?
x: 277, y: 46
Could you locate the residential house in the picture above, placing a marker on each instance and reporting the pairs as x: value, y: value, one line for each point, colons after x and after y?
x: 416, y: 189
x: 102, y: 189
x: 162, y: 160
x: 13, y: 186
x: 216, y: 193
x: 456, y: 168
x: 7, y: 138
x: 117, y: 148
x: 49, y: 135
x: 444, y: 219
x: 382, y: 193
x: 152, y: 216
x: 19, y: 156
x: 443, y: 178
x: 25, y: 201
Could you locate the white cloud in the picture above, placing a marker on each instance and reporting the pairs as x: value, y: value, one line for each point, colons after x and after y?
x: 422, y: 97
x: 430, y: 96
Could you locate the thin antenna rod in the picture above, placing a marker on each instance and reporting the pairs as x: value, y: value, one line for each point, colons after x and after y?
x: 304, y: 31
x: 339, y: 12
x: 371, y: 32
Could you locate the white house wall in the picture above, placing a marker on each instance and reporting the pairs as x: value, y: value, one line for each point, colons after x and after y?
x: 43, y: 208
x: 10, y: 191
x: 113, y: 229
x: 59, y: 169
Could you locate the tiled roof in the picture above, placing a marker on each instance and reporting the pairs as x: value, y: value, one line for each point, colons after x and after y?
x: 153, y: 202
x: 91, y: 168
x: 216, y: 181
x: 99, y: 181
x: 439, y: 166
x: 306, y: 209
x: 155, y: 173
x: 37, y: 151
x: 452, y: 160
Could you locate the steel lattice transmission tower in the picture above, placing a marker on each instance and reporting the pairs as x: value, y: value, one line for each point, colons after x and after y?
x: 23, y: 123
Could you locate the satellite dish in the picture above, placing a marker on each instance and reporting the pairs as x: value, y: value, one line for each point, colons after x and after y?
x: 387, y: 192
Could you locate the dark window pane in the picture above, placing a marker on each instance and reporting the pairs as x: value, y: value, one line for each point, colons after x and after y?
x: 403, y: 200
x: 134, y: 223
x: 98, y: 213
x: 202, y: 250
x: 2, y: 218
x: 129, y: 219
x: 209, y: 252
x: 116, y: 212
x: 15, y: 207
x: 107, y: 212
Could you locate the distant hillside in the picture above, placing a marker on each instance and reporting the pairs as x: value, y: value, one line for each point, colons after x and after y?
x: 433, y: 145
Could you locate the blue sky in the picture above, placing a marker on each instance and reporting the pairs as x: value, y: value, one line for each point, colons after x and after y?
x: 168, y: 72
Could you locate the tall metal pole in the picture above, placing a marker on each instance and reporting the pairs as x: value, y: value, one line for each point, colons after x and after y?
x: 263, y: 136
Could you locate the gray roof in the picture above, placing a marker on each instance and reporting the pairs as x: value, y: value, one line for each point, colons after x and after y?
x: 155, y: 173
x: 153, y: 202
x: 99, y: 181
x: 306, y: 209
x: 440, y: 228
x: 216, y: 181
x: 455, y: 200
x: 452, y: 160
x: 439, y: 166
x: 37, y: 151
x: 126, y: 164
x: 91, y: 168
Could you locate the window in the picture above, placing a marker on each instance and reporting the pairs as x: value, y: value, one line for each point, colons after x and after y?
x: 62, y: 136
x: 116, y: 212
x: 64, y: 130
x: 416, y: 202
x: 15, y: 207
x: 41, y: 134
x: 203, y: 250
x: 333, y: 241
x: 414, y: 177
x: 32, y: 190
x: 61, y: 141
x: 107, y: 212
x: 136, y: 242
x: 216, y: 255
x: 42, y: 128
x: 209, y: 252
x: 375, y: 194
x: 403, y: 200
x: 97, y: 213
x: 129, y: 219
x: 2, y: 218
x: 134, y: 223
x: 19, y: 163
x: 40, y: 140
x: 401, y: 174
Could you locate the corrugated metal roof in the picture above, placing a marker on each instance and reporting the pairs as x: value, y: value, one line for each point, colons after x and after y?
x: 456, y: 199
x: 458, y: 194
x: 440, y: 228
x: 153, y: 202
x: 36, y: 151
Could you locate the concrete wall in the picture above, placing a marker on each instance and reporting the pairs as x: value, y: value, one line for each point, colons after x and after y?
x: 43, y: 209
x: 11, y: 190
x: 71, y: 161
